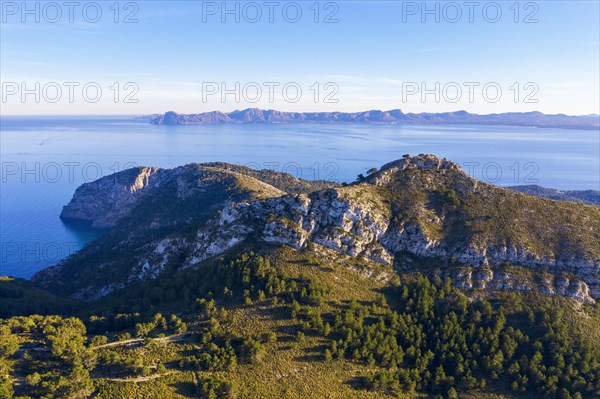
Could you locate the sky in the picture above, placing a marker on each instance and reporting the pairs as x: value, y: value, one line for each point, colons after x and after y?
x: 143, y: 57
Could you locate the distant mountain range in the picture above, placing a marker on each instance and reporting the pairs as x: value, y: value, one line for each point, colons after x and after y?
x: 393, y: 117
x: 590, y: 197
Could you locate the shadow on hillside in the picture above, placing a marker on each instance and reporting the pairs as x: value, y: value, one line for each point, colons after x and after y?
x: 313, y: 264
x: 274, y: 312
x: 358, y: 383
x: 185, y: 388
x: 312, y: 354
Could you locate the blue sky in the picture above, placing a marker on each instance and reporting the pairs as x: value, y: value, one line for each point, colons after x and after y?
x: 378, y: 55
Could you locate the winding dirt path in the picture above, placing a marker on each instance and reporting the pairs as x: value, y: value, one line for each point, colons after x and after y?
x: 170, y: 338
x: 139, y: 379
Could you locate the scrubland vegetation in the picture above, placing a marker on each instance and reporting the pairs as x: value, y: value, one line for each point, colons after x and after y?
x: 294, y: 325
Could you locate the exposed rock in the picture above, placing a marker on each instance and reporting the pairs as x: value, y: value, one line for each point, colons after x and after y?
x: 104, y: 202
x: 519, y: 279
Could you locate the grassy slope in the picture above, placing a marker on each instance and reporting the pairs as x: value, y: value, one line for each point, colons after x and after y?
x: 298, y: 370
x: 292, y: 370
x: 471, y: 211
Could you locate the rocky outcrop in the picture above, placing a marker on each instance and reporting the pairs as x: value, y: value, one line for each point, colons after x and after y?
x: 104, y: 202
x: 519, y: 279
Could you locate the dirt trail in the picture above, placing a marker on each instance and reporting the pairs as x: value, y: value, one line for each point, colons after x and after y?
x: 170, y: 338
x: 139, y: 379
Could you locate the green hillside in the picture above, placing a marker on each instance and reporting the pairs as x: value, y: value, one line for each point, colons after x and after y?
x: 295, y: 325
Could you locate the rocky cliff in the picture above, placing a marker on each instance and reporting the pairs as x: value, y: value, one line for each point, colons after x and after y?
x: 104, y: 202
x: 414, y: 210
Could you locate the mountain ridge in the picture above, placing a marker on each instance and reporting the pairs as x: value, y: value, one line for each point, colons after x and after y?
x: 395, y: 116
x: 413, y: 210
x: 590, y: 197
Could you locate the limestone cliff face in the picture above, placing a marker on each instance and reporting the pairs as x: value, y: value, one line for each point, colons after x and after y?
x: 104, y: 202
x: 422, y: 207
x: 335, y: 223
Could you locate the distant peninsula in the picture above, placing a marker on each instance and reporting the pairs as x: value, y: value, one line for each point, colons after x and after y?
x: 391, y: 117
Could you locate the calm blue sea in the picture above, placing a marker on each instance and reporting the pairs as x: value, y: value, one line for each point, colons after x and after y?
x: 44, y: 159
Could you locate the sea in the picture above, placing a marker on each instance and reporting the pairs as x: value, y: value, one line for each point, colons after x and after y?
x: 44, y: 159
